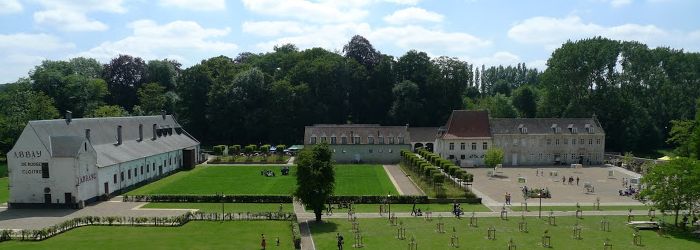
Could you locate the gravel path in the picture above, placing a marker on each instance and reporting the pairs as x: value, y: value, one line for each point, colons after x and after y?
x: 401, y: 181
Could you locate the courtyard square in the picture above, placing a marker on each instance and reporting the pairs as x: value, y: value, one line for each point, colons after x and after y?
x: 605, y: 187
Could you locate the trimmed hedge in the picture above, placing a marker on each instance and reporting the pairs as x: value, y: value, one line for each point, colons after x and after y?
x: 219, y: 149
x: 376, y: 199
x: 236, y: 149
x: 210, y: 198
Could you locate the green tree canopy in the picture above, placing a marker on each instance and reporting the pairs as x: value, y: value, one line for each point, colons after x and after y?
x: 493, y: 157
x: 315, y: 177
x: 152, y: 98
x: 674, y: 185
x: 20, y: 104
x: 108, y: 111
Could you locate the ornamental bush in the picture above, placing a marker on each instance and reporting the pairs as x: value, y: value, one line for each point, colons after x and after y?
x: 219, y: 149
x: 235, y: 149
x: 265, y: 148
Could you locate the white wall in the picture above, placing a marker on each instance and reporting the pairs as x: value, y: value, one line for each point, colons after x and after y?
x: 24, y: 166
x: 151, y: 169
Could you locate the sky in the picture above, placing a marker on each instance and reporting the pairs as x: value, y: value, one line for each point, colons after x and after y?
x: 477, y: 31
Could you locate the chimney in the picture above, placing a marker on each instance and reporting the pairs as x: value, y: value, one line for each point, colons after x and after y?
x: 162, y: 112
x: 140, y: 132
x: 119, y: 135
x: 69, y: 116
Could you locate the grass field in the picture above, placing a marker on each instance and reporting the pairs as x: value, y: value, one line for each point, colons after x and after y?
x: 3, y: 168
x: 534, y: 207
x: 436, y: 207
x: 451, y: 191
x: 193, y: 235
x: 228, y: 207
x: 350, y: 180
x: 378, y: 234
x: 273, y: 159
x: 4, y: 190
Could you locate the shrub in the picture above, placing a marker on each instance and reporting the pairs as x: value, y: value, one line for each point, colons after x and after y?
x: 280, y: 148
x: 265, y: 148
x: 209, y: 198
x: 438, y: 178
x: 236, y: 149
x: 452, y: 169
x: 375, y: 199
x: 219, y: 149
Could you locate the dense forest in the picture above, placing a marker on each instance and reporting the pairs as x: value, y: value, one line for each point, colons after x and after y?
x: 635, y: 91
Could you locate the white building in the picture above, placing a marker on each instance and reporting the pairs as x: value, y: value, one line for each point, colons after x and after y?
x: 67, y: 163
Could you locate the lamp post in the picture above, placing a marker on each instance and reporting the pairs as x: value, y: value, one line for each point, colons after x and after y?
x: 222, y: 205
x: 388, y: 201
x: 539, y: 194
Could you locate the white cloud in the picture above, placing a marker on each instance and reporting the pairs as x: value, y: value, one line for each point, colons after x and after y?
x: 20, y: 52
x: 498, y: 58
x: 203, y: 5
x: 10, y: 6
x: 70, y: 15
x: 413, y: 15
x: 435, y: 41
x: 404, y: 2
x: 274, y: 28
x: 620, y: 3
x: 334, y: 11
x: 552, y: 32
x: 68, y: 20
x: 328, y: 36
x: 178, y: 39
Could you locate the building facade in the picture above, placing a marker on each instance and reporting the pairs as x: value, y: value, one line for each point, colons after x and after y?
x: 71, y: 162
x: 525, y: 141
x: 358, y: 143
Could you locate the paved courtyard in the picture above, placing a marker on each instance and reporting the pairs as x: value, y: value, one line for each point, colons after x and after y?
x: 606, y: 188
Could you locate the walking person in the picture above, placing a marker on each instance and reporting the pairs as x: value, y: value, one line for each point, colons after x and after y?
x: 563, y: 179
x: 340, y: 241
x: 263, y: 244
x: 576, y: 180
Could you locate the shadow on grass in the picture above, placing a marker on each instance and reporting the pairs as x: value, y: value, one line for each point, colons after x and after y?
x: 679, y: 233
x: 323, y: 227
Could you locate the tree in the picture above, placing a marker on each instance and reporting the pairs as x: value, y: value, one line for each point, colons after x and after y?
x: 163, y: 72
x: 493, y: 157
x: 360, y: 49
x: 315, y: 177
x: 681, y: 136
x: 108, y: 111
x: 525, y: 101
x: 152, y: 98
x: 499, y: 106
x: 407, y: 105
x: 674, y: 185
x: 695, y: 138
x: 20, y: 104
x: 124, y: 76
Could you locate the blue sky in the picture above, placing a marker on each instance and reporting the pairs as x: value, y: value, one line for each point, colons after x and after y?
x: 478, y: 31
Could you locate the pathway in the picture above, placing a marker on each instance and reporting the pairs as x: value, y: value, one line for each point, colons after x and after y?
x: 401, y: 181
x: 307, y: 242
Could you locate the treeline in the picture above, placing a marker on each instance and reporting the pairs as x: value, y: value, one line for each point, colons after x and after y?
x: 269, y: 97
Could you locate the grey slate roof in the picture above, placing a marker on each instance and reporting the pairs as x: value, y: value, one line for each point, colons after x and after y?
x: 543, y: 125
x: 66, y: 146
x: 103, y: 137
x: 361, y: 130
x: 423, y: 134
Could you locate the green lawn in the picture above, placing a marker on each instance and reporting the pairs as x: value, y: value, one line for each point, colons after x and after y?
x: 350, y: 180
x: 228, y: 207
x: 4, y: 190
x: 273, y: 159
x: 193, y: 235
x: 362, y: 180
x: 451, y: 191
x: 378, y: 234
x: 3, y: 169
x: 534, y: 207
x: 436, y: 207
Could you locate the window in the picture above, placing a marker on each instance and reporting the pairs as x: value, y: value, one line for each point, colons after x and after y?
x: 136, y: 172
x: 391, y: 140
x: 129, y: 174
x: 170, y: 161
x: 582, y: 141
x: 549, y: 141
x: 566, y: 141
x: 590, y: 141
x: 381, y: 140
x: 401, y: 141
x: 323, y: 139
x: 590, y: 130
x: 85, y: 145
x: 452, y: 157
x: 370, y: 140
x: 334, y: 140
x: 344, y: 140
x: 473, y: 145
x: 573, y: 141
x: 462, y: 157
x: 485, y: 146
x: 597, y: 141
x: 523, y: 130
x: 121, y: 176
x: 371, y: 150
x: 452, y: 146
x: 115, y: 178
x: 462, y: 146
x: 356, y: 139
x: 556, y: 141
x: 141, y: 169
x: 312, y: 140
x: 147, y: 168
x: 45, y: 170
x: 573, y: 156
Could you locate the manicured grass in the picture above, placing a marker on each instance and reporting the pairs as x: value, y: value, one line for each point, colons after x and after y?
x: 436, y: 207
x: 228, y: 207
x: 534, y: 207
x: 451, y: 191
x: 3, y: 169
x: 4, y: 190
x: 193, y: 235
x: 362, y: 180
x: 223, y: 179
x: 350, y: 180
x: 378, y: 234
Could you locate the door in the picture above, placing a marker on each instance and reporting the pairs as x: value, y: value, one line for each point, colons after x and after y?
x: 47, y: 198
x: 107, y: 186
x: 68, y: 198
x: 515, y: 159
x: 160, y: 170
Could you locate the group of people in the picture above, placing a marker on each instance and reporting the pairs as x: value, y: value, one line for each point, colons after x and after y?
x: 268, y: 173
x: 571, y: 180
x: 457, y: 209
x: 416, y: 212
x: 629, y: 191
x: 263, y: 241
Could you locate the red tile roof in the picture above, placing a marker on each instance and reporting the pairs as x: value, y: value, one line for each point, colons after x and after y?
x: 467, y: 123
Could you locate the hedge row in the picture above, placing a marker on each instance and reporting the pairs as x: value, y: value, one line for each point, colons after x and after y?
x: 209, y: 198
x: 376, y: 199
x: 446, y: 166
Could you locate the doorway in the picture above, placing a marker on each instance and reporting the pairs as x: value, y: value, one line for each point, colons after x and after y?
x: 47, y: 198
x: 68, y: 198
x: 107, y: 187
x: 160, y: 170
x: 515, y: 159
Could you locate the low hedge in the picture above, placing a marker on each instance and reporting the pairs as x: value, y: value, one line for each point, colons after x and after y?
x: 210, y: 198
x: 219, y: 149
x: 377, y: 199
